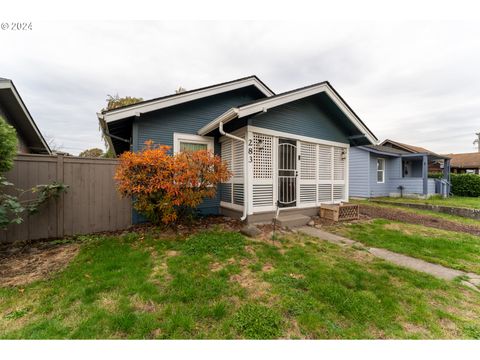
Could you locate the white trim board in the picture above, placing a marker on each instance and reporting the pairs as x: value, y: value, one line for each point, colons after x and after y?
x: 277, y: 100
x: 275, y: 133
x: 191, y: 138
x: 136, y: 110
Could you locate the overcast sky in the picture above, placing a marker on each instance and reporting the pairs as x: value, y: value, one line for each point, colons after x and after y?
x: 414, y: 82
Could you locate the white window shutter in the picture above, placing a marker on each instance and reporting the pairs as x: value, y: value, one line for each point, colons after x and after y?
x: 308, y: 174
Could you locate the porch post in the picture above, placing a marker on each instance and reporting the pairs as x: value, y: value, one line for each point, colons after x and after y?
x: 446, y: 169
x: 425, y: 174
x: 249, y: 176
x: 446, y: 173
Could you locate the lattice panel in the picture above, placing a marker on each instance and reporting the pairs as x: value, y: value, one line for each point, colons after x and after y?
x: 262, y: 156
x: 308, y: 159
x: 324, y: 193
x: 324, y: 162
x: 238, y: 194
x: 338, y: 164
x: 262, y: 195
x: 226, y: 193
x: 226, y: 150
x: 348, y: 212
x: 308, y: 193
x: 238, y: 155
x: 338, y: 192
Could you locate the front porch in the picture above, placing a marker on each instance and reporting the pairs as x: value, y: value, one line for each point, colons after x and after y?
x: 294, y: 173
x: 415, y: 181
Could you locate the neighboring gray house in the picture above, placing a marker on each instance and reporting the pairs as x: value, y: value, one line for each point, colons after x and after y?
x: 14, y: 111
x: 393, y: 169
x: 296, y: 144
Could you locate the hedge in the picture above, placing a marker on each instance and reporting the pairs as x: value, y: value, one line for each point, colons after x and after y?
x: 435, y: 175
x: 466, y: 185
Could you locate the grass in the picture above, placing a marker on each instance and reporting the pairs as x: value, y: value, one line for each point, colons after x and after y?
x: 438, y: 215
x: 452, y: 249
x: 221, y: 285
x: 455, y: 201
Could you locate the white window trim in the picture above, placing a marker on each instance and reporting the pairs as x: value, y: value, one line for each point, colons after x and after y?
x: 191, y: 138
x: 383, y: 171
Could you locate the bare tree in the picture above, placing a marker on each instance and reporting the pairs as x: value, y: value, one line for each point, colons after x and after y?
x: 53, y: 144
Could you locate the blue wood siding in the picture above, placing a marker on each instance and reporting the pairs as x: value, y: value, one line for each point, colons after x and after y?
x: 362, y: 161
x: 376, y: 188
x: 302, y: 117
x: 359, y: 172
x: 188, y: 118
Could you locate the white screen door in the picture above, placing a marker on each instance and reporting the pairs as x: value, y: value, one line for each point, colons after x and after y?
x: 287, y: 173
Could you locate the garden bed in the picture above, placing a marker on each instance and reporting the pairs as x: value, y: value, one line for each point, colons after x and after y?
x: 388, y: 213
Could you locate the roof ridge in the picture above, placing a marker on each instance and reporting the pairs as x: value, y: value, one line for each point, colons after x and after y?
x: 191, y: 91
x: 284, y: 93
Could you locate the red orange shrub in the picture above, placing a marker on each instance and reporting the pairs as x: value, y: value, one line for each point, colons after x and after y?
x: 163, y: 184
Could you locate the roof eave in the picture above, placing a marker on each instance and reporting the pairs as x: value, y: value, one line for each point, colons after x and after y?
x: 379, y: 152
x: 268, y: 103
x: 138, y: 109
x: 227, y: 116
x: 8, y: 84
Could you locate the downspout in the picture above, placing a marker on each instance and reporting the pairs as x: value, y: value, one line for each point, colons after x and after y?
x: 245, y: 167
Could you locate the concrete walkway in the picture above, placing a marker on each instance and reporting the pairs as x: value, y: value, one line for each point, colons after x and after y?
x: 471, y: 280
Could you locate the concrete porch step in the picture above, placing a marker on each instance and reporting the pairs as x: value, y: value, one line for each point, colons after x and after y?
x: 293, y: 220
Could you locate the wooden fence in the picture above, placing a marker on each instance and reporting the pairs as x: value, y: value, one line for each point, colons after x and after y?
x: 91, y: 203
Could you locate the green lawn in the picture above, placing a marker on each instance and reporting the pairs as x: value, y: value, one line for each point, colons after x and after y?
x: 452, y: 249
x: 455, y: 201
x: 221, y: 285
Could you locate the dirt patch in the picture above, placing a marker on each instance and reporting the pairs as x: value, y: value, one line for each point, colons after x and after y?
x: 371, y: 211
x: 108, y: 302
x: 35, y: 263
x: 416, y: 329
x: 267, y: 267
x: 160, y: 274
x: 297, y: 276
x: 143, y: 306
x: 156, y: 333
x: 250, y: 249
x: 293, y: 330
x: 256, y: 287
x: 216, y: 266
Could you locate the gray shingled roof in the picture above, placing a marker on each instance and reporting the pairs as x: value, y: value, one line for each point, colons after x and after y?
x: 387, y: 149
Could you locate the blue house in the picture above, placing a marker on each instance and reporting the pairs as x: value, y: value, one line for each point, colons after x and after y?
x: 396, y: 169
x: 288, y: 150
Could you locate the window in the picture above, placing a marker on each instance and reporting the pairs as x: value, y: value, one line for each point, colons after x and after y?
x: 380, y: 170
x: 190, y: 142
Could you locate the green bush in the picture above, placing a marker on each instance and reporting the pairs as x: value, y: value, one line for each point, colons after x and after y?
x: 8, y: 145
x: 435, y: 175
x: 466, y: 185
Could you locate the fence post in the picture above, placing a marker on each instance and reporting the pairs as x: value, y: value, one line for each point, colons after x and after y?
x: 61, y: 199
